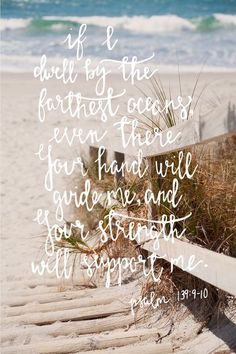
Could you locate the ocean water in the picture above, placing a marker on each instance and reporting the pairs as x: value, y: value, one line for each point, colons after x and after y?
x: 187, y: 33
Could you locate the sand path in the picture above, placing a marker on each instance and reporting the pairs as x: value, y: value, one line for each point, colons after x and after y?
x: 42, y: 314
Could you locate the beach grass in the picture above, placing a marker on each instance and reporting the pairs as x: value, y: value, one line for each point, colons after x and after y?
x: 209, y: 195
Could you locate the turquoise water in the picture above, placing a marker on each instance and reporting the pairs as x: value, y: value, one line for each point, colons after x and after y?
x: 180, y: 32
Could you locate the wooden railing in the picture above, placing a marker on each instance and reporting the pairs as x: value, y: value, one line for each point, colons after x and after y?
x: 216, y: 269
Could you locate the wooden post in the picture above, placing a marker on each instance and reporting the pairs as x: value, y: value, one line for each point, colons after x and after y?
x: 155, y: 184
x: 120, y: 158
x: 152, y: 210
x: 93, y: 152
x: 231, y: 118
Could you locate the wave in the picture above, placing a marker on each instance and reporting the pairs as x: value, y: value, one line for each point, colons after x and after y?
x: 215, y: 22
x: 227, y: 20
x: 134, y: 24
x: 140, y: 24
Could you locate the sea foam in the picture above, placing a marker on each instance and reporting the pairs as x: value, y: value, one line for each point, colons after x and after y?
x: 140, y: 24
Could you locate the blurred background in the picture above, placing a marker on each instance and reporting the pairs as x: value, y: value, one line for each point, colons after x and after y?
x: 186, y: 33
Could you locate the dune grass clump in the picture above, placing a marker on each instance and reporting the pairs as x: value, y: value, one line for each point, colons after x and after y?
x: 211, y: 198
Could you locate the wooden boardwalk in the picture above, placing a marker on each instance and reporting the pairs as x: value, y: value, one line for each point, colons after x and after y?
x: 47, y: 319
x: 50, y: 318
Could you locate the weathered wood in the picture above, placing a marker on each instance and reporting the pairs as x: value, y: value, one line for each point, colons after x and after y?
x: 231, y: 122
x: 49, y: 281
x: 148, y: 348
x: 120, y: 158
x: 186, y: 133
x: 218, y: 123
x: 74, y: 345
x: 69, y: 328
x: 42, y: 298
x: 80, y: 314
x: 87, y: 301
x: 64, y: 295
x: 40, y: 290
x: 93, y: 151
x: 156, y: 183
x: 151, y: 207
x: 215, y: 268
x: 152, y: 210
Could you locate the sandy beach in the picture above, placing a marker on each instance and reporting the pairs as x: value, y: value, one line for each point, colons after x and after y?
x: 22, y: 191
x: 117, y: 153
x: 22, y: 180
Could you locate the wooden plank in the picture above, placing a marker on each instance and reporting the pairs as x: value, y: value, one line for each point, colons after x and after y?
x: 42, y: 298
x: 75, y: 345
x: 69, y: 328
x: 186, y: 134
x: 34, y: 291
x: 148, y: 348
x: 41, y: 281
x: 83, y: 313
x: 218, y: 123
x: 91, y: 300
x: 216, y: 269
x: 64, y: 295
x: 113, y: 143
